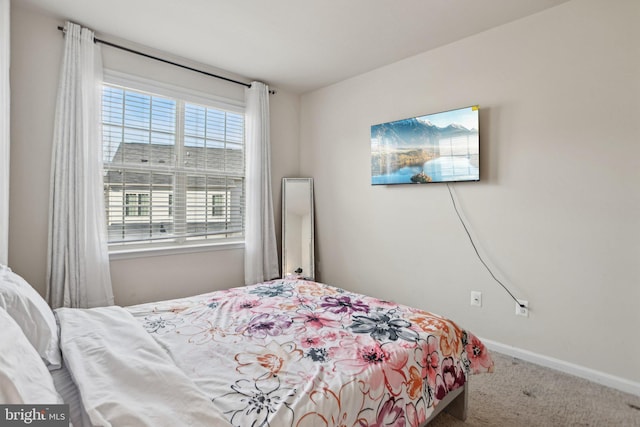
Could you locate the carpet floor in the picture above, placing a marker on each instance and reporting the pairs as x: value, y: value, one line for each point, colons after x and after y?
x: 519, y: 393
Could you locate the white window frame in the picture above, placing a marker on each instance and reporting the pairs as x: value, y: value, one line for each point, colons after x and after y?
x: 136, y: 83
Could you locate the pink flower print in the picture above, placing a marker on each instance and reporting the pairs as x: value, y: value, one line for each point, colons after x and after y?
x: 383, y: 303
x: 390, y: 413
x: 453, y: 374
x: 440, y: 389
x: 333, y: 335
x: 415, y: 416
x: 311, y: 341
x: 306, y: 318
x: 429, y: 359
x: 320, y: 340
x: 478, y: 355
x: 385, y: 368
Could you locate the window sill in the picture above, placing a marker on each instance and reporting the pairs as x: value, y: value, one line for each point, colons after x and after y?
x: 151, y: 251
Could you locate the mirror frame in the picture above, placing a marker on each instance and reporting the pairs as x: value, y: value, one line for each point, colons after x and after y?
x: 310, y: 274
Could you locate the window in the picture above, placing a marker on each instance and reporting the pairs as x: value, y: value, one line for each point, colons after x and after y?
x: 173, y: 169
x: 219, y: 206
x: 136, y: 204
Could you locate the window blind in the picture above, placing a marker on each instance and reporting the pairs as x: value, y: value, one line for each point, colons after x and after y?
x: 173, y: 170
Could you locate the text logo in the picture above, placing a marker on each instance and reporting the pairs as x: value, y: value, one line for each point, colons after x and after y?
x: 34, y: 415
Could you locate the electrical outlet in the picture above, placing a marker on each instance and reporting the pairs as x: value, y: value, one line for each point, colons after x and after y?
x: 476, y: 298
x: 522, y: 311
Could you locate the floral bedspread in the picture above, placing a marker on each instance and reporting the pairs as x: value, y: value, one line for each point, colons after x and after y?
x: 300, y: 353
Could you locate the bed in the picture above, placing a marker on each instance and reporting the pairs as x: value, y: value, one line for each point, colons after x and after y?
x: 287, y: 352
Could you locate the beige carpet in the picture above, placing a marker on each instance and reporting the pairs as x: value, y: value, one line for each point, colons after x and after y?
x: 519, y: 393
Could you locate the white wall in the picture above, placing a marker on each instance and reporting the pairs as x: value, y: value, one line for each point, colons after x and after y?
x: 36, y: 49
x: 557, y: 210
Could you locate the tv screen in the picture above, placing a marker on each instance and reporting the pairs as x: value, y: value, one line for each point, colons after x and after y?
x: 440, y: 147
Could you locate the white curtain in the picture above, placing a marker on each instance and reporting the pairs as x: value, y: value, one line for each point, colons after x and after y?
x: 4, y: 130
x: 261, y: 253
x: 78, y: 261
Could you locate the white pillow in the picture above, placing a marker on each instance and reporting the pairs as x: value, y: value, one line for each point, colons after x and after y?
x: 32, y: 314
x: 24, y: 378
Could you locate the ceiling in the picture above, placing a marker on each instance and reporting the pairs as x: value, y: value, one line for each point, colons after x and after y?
x: 296, y: 45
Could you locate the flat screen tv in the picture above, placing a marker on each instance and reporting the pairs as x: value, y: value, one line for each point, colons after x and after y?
x: 440, y: 147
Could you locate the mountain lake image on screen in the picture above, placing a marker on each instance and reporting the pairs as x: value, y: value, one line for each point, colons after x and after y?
x: 440, y: 147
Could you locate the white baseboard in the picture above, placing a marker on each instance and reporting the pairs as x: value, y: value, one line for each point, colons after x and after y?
x: 598, y: 377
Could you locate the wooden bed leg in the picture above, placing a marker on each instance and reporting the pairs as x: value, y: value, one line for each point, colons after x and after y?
x: 458, y: 407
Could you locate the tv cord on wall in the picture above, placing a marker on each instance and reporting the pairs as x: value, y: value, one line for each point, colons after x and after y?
x: 475, y: 248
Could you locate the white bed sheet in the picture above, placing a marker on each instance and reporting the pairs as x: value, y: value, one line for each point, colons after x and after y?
x: 124, y: 377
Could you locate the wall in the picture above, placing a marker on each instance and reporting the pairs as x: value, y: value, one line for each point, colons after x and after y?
x: 557, y: 210
x: 36, y: 52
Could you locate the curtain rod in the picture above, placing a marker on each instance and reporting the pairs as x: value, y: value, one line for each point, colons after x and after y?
x: 146, y: 55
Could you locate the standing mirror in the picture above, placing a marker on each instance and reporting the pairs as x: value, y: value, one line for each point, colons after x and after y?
x: 297, y: 227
